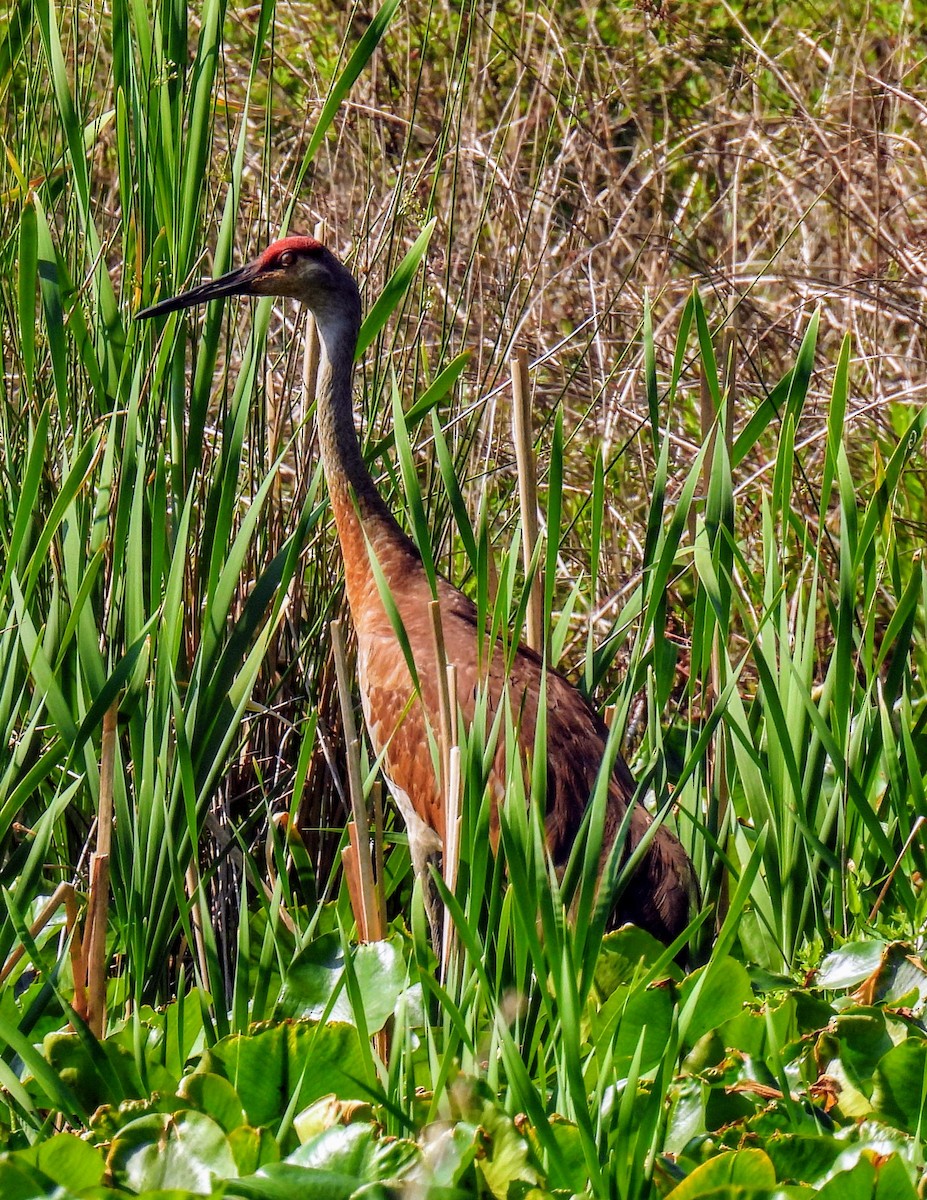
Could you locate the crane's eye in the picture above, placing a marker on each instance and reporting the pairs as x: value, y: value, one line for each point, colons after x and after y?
x: 286, y: 259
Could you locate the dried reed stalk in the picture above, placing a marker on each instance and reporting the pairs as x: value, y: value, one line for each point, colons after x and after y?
x: 527, y: 493
x: 366, y: 909
x: 94, y: 945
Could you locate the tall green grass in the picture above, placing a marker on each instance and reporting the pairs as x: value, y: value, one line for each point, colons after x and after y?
x: 166, y: 550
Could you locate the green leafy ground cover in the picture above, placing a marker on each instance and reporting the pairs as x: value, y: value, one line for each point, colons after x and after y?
x: 783, y: 1090
x: 706, y: 240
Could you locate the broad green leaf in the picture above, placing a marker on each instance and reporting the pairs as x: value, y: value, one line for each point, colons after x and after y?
x: 743, y: 1173
x: 294, y: 1062
x: 725, y: 992
x: 68, y: 1160
x: 850, y: 965
x: 214, y: 1096
x: 356, y: 1150
x: 171, y: 1150
x: 899, y: 1094
x: 316, y: 975
x: 20, y: 1181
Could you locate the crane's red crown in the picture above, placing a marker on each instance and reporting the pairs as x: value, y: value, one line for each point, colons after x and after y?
x: 295, y: 243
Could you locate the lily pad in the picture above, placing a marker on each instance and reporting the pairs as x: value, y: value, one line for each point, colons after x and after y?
x: 850, y: 965
x: 743, y: 1173
x: 899, y: 1085
x: 357, y: 1150
x: 23, y: 1181
x: 318, y: 974
x: 215, y: 1096
x: 711, y: 996
x: 67, y: 1160
x: 287, y: 1062
x: 171, y: 1150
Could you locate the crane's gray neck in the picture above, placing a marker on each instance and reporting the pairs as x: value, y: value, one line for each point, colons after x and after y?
x: 345, y: 469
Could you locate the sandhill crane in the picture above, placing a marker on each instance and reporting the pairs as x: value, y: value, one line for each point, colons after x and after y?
x: 659, y: 894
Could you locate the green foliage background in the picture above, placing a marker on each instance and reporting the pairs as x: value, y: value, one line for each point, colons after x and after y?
x: 705, y: 225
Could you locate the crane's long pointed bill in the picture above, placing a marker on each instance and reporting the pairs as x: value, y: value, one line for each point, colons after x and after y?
x: 235, y: 283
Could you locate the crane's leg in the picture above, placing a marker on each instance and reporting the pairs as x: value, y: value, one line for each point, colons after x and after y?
x: 424, y: 857
x: 425, y: 849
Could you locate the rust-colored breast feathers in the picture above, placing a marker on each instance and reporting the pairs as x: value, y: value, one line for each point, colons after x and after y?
x: 401, y: 717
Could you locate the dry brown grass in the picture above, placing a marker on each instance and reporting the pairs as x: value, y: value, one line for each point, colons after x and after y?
x: 578, y: 158
x: 591, y: 158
